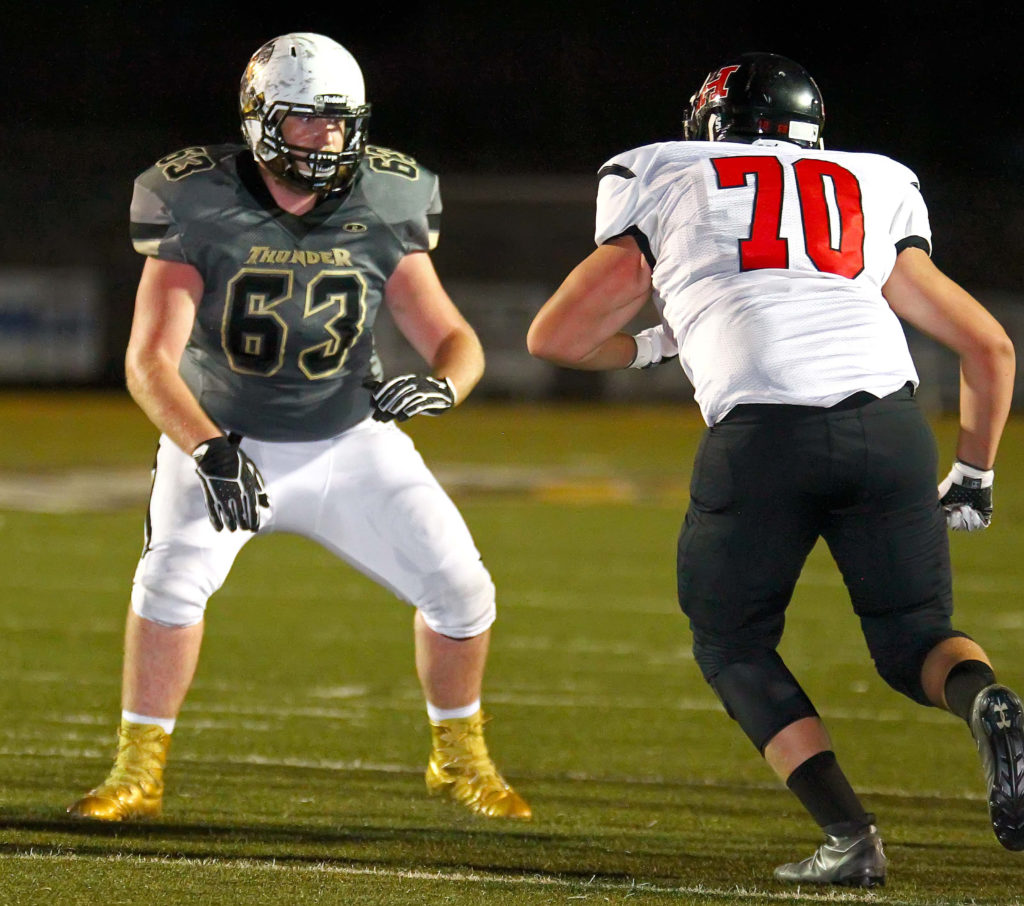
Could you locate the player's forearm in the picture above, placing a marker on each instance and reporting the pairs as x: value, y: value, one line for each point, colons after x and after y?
x: 159, y: 391
x: 617, y: 351
x: 583, y: 324
x: 460, y: 358
x: 986, y: 392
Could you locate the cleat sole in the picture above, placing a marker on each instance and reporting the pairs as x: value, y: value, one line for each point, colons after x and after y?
x: 998, y: 726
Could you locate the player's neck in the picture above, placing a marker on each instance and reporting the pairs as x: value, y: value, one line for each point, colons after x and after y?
x: 294, y: 201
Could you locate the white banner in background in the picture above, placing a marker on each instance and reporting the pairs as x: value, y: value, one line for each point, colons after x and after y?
x: 51, y: 325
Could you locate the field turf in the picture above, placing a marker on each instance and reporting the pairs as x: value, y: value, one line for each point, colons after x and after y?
x: 296, y: 772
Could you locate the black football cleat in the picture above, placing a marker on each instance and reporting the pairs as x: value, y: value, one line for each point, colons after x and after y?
x: 997, y: 722
x: 853, y: 861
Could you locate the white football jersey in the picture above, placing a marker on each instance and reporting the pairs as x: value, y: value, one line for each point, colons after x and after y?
x: 768, y: 264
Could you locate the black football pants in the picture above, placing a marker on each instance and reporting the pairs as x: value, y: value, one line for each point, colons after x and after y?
x: 768, y: 481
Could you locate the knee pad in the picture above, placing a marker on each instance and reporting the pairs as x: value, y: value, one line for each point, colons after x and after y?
x: 166, y: 610
x: 458, y: 600
x: 176, y: 576
x: 172, y: 588
x: 761, y: 695
x: 899, y: 645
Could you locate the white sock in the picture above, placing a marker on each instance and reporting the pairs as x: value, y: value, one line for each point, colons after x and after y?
x: 164, y: 723
x: 435, y: 713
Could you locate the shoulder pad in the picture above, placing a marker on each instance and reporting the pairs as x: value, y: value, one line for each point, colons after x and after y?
x: 404, y: 194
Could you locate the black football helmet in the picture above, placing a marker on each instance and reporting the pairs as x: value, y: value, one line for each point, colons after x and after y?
x: 757, y: 95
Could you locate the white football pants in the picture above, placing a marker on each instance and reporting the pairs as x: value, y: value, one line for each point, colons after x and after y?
x: 365, y: 495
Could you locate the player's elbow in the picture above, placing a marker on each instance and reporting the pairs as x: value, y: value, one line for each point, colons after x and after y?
x: 134, y: 370
x: 1003, y: 348
x: 989, y: 356
x: 999, y: 352
x: 143, y: 369
x: 538, y: 344
x: 991, y: 344
x: 545, y: 342
x: 137, y: 375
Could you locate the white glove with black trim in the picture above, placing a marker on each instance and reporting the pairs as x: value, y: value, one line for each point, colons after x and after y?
x: 407, y: 395
x: 966, y: 496
x: 232, y: 485
x: 653, y: 346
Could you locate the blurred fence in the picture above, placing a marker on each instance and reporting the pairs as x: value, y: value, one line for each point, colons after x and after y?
x: 506, y: 244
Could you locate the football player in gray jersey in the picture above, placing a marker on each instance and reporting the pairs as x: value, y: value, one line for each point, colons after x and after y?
x: 786, y: 320
x: 252, y: 351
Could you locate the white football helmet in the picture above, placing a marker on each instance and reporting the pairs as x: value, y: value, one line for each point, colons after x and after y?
x: 308, y: 75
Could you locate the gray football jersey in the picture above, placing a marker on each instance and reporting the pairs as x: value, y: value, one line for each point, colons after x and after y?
x: 282, y: 346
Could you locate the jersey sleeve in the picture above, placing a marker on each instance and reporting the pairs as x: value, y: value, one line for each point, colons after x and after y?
x: 624, y: 207
x: 154, y: 230
x: 434, y: 217
x: 419, y: 213
x: 910, y: 226
x: 403, y: 194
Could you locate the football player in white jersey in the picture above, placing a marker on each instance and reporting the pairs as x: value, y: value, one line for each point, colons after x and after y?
x: 252, y: 351
x: 779, y: 272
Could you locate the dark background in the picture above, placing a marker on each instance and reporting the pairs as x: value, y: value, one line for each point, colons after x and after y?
x: 95, y: 93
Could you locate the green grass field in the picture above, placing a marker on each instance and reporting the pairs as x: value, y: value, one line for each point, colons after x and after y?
x: 296, y: 769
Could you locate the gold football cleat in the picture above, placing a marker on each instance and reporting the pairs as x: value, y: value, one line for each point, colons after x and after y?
x: 135, y: 786
x: 461, y: 767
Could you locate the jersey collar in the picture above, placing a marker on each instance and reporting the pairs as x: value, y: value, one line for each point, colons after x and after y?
x: 249, y: 175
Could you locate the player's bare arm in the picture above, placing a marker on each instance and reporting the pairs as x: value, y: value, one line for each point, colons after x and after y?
x: 165, y: 308
x: 580, y: 326
x: 919, y: 293
x: 429, y: 320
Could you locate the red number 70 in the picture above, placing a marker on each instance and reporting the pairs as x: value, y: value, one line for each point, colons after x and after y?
x: 764, y: 247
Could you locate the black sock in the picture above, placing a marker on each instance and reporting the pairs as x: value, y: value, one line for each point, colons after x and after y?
x: 822, y: 788
x: 963, y: 683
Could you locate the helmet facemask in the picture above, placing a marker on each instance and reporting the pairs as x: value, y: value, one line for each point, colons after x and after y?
x: 310, y: 168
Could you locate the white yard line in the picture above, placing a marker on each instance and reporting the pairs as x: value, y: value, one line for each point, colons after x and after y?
x: 593, y: 885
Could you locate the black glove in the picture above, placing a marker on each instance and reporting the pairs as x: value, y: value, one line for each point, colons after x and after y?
x: 232, y: 484
x: 410, y: 394
x: 966, y: 496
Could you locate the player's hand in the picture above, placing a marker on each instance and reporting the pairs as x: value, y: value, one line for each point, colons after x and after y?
x: 232, y: 485
x: 966, y: 496
x: 653, y: 346
x: 411, y: 394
